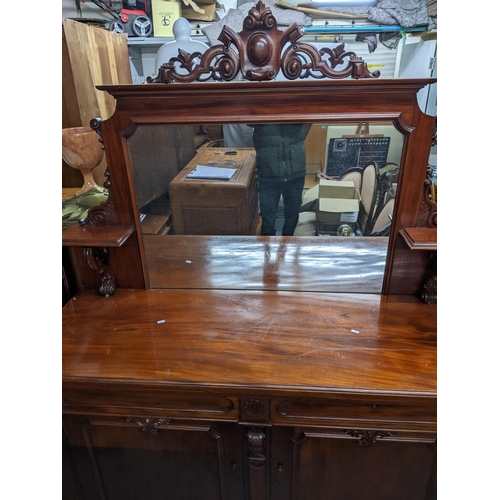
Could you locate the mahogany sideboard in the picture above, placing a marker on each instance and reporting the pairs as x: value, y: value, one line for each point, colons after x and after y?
x: 178, y: 384
x: 224, y: 394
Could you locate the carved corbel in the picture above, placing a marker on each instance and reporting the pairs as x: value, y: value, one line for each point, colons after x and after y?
x: 256, y: 457
x: 429, y: 285
x: 97, y: 260
x: 428, y: 218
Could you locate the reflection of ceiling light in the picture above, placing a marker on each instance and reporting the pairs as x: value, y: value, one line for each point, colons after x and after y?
x: 359, y: 29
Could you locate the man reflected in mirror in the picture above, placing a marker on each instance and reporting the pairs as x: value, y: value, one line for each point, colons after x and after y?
x: 281, y: 170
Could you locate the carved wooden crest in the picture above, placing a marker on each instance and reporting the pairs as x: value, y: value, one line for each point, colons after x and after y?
x: 257, y: 53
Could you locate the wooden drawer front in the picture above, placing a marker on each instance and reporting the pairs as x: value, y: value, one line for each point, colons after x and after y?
x: 109, y: 400
x: 366, y: 411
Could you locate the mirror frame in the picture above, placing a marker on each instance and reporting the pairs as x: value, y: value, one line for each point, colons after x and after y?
x: 272, y: 102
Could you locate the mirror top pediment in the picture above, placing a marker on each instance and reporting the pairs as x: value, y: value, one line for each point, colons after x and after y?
x: 286, y: 101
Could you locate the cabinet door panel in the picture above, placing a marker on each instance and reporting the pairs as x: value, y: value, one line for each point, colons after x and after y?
x: 137, y: 458
x: 338, y: 466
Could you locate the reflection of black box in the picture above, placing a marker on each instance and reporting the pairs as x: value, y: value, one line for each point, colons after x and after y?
x: 346, y: 153
x: 323, y: 229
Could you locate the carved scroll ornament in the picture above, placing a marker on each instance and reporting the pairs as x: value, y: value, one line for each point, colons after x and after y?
x: 105, y: 213
x: 427, y: 216
x: 256, y: 53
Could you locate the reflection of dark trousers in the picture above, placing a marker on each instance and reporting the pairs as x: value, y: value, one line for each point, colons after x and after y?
x: 269, y: 197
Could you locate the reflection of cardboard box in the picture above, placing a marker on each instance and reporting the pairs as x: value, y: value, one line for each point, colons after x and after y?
x: 306, y: 225
x: 199, y: 10
x: 164, y: 15
x: 338, y: 202
x: 310, y: 199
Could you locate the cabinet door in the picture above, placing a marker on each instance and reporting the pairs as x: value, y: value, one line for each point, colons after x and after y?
x: 348, y: 465
x: 151, y: 458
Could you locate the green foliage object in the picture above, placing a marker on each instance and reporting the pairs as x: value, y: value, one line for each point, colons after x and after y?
x: 78, y: 207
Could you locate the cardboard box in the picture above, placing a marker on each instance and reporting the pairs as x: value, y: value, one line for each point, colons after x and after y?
x: 338, y: 202
x: 164, y: 15
x: 199, y: 10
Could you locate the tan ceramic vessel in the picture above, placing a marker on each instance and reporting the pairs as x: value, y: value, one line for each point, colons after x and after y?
x: 82, y: 150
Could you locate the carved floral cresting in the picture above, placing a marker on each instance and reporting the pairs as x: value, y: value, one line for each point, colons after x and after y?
x: 257, y: 53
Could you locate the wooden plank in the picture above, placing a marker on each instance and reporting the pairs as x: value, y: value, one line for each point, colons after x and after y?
x: 91, y: 56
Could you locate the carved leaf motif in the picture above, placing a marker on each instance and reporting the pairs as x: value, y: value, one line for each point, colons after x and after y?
x: 148, y: 424
x: 367, y: 438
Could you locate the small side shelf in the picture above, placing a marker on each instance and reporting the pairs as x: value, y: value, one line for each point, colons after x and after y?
x: 420, y: 238
x: 96, y: 236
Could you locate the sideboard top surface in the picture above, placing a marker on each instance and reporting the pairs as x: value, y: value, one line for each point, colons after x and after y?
x: 273, y: 342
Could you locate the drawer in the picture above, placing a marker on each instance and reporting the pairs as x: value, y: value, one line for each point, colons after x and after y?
x: 124, y: 400
x: 415, y: 412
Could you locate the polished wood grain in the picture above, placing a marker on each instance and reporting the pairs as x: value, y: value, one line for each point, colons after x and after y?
x: 328, y: 264
x: 305, y: 342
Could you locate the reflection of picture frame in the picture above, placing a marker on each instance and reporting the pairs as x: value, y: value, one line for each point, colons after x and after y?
x: 345, y: 131
x: 347, y: 153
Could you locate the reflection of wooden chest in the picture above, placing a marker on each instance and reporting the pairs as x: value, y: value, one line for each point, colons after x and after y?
x: 206, y: 206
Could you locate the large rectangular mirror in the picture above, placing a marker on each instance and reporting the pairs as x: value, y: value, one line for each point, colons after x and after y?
x: 206, y: 233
